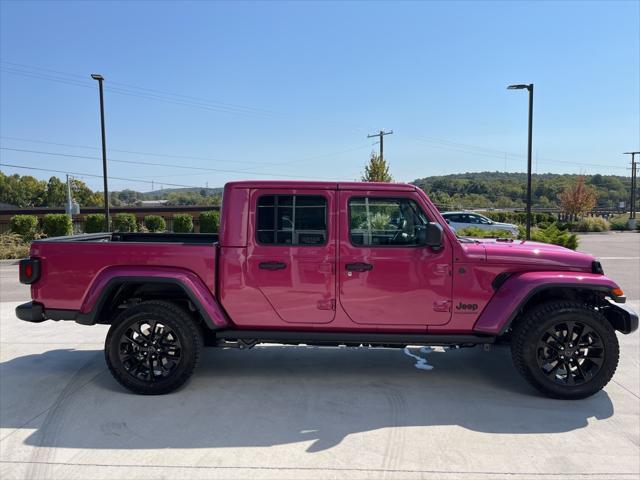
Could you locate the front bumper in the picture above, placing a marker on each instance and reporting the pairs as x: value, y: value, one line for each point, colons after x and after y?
x: 622, y: 317
x: 30, y: 312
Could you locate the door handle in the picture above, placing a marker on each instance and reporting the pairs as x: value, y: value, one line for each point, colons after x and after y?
x: 272, y: 265
x: 359, y: 267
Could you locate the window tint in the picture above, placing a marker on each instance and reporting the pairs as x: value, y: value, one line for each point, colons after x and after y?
x: 385, y: 221
x: 453, y: 217
x: 292, y: 220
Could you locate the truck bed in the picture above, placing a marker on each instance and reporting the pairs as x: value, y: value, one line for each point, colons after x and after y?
x: 71, y: 264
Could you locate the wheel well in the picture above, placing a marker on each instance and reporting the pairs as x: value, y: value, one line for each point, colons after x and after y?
x: 588, y: 296
x: 124, y: 294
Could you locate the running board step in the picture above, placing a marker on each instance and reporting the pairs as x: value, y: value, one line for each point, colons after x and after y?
x: 339, y: 338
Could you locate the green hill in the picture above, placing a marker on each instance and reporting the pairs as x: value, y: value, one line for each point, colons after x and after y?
x: 505, y: 190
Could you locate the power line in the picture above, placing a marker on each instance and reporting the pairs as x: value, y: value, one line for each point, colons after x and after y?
x: 127, y: 89
x: 37, y: 69
x: 230, y: 108
x: 493, y: 153
x: 180, y: 99
x: 134, y: 152
x: 131, y: 93
x: 192, y: 157
x: 153, y: 164
x: 23, y: 167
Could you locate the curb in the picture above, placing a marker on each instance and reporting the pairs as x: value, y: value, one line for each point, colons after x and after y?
x: 11, y: 261
x: 609, y: 232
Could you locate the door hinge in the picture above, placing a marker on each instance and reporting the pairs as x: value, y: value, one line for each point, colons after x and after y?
x: 327, y: 304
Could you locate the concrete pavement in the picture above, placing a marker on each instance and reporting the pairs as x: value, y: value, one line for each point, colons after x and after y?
x: 302, y: 412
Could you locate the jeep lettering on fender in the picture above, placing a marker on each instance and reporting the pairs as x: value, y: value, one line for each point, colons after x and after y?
x: 471, y: 307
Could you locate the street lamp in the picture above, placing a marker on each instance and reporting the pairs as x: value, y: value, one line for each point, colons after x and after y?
x: 530, y: 88
x: 632, y: 211
x: 100, y: 79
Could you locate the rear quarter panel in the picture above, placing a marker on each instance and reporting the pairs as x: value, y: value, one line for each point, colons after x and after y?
x: 70, y: 268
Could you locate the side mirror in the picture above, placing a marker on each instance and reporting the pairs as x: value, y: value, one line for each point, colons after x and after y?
x: 431, y: 236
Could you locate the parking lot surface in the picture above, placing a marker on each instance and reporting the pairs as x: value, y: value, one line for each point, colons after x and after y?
x: 302, y: 412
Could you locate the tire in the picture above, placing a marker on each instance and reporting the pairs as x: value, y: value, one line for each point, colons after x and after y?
x: 149, y: 368
x: 561, y: 365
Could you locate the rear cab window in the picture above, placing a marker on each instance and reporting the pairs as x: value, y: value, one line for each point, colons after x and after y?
x: 291, y: 220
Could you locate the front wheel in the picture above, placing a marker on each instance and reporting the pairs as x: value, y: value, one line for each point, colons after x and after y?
x: 153, y: 347
x: 565, y: 349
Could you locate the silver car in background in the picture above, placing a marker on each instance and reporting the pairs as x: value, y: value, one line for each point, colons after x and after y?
x: 461, y: 220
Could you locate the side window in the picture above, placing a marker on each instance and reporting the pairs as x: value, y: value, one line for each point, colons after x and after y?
x: 453, y: 218
x: 470, y: 219
x: 292, y: 220
x: 385, y: 221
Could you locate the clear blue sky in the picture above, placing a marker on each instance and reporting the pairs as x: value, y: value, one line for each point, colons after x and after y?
x: 294, y: 88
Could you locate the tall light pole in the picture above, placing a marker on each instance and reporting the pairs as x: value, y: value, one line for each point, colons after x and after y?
x: 100, y: 79
x: 632, y: 210
x: 530, y: 88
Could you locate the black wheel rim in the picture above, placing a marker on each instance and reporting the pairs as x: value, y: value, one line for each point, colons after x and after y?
x: 570, y: 353
x: 149, y: 351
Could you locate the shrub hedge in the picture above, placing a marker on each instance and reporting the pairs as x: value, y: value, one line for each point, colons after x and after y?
x: 210, y: 222
x: 519, y: 217
x: 57, y: 225
x: 183, y: 223
x: 555, y: 235
x: 619, y: 223
x: 550, y: 234
x: 592, y: 224
x: 125, y: 222
x: 155, y: 223
x: 94, y: 223
x: 13, y: 245
x: 24, y: 225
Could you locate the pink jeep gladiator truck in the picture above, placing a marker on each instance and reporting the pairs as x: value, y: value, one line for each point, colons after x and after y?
x: 318, y: 263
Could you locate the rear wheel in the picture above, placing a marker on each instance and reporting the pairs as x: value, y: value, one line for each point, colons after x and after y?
x: 565, y: 349
x: 153, y: 347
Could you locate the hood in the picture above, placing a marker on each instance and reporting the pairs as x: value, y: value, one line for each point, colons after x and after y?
x: 520, y: 252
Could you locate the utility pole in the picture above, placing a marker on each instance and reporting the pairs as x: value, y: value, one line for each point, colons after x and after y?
x: 69, y: 198
x: 380, y: 134
x: 634, y: 185
x: 100, y: 79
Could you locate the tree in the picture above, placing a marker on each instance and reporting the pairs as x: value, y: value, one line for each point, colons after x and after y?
x: 22, y: 191
x: 577, y: 198
x: 56, y: 193
x: 84, y: 195
x: 376, y: 170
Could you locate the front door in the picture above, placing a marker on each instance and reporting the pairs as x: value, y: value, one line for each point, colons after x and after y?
x: 292, y: 258
x: 385, y: 277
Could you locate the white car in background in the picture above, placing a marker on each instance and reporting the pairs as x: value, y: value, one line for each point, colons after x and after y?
x: 461, y: 220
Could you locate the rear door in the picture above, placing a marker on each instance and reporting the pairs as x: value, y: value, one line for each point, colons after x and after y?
x: 385, y: 277
x: 292, y: 257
